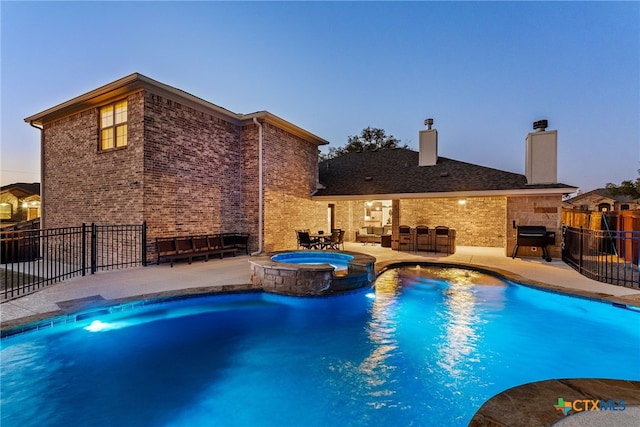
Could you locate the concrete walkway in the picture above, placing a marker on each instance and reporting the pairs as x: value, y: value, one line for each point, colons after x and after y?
x: 233, y: 273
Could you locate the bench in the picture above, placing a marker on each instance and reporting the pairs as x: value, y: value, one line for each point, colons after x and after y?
x: 187, y: 247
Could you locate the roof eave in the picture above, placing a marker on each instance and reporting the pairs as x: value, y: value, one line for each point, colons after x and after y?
x: 453, y: 194
x: 284, y: 125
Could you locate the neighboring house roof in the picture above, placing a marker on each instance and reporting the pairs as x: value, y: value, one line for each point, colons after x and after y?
x: 22, y: 189
x: 604, y: 193
x: 137, y: 81
x: 396, y: 172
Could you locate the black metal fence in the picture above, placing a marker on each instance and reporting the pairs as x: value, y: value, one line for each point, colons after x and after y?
x: 33, y: 259
x: 608, y: 256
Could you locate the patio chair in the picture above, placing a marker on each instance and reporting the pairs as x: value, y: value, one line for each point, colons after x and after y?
x: 305, y: 241
x: 333, y: 241
x: 340, y: 240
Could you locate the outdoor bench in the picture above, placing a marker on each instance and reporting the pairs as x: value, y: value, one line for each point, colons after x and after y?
x: 187, y: 247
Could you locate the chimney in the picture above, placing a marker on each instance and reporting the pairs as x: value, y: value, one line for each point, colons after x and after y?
x: 541, y: 157
x: 428, y: 145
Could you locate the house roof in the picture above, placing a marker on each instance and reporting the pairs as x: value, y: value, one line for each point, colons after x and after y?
x: 396, y: 172
x: 22, y: 189
x: 604, y: 193
x: 136, y: 81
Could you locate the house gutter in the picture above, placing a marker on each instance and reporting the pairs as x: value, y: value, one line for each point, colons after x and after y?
x: 42, y: 203
x: 260, y: 188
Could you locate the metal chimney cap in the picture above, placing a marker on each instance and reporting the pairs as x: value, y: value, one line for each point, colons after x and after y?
x: 428, y: 123
x: 540, y: 125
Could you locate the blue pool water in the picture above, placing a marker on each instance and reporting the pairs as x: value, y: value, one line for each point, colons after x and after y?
x: 427, y: 348
x: 339, y: 261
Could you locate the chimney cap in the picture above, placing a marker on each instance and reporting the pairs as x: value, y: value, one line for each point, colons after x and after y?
x: 428, y: 123
x: 540, y: 125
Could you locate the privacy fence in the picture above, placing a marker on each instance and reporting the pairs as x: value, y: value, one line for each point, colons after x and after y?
x: 603, y: 246
x: 33, y: 259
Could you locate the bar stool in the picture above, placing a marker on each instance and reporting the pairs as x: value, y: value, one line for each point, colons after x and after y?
x: 404, y: 233
x: 443, y: 238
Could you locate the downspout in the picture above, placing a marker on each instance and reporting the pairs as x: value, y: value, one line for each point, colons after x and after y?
x: 42, y: 203
x: 260, y: 189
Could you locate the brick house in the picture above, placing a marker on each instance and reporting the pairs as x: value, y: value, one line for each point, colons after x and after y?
x: 421, y: 188
x: 138, y: 150
x: 601, y: 200
x: 19, y: 202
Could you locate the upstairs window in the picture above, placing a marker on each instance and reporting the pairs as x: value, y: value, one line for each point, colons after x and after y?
x: 113, y: 125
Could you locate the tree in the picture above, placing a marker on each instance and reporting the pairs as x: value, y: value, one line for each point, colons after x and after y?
x: 626, y: 188
x: 369, y: 139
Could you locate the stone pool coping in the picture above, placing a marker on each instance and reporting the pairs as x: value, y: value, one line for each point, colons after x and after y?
x: 531, y: 404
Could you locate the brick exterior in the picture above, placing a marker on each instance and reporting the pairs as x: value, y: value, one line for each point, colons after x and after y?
x: 184, y: 171
x: 192, y: 168
x: 83, y: 184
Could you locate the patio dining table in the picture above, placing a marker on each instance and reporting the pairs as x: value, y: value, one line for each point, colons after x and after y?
x: 323, y: 239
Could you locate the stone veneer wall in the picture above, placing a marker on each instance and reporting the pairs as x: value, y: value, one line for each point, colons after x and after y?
x: 478, y: 222
x: 82, y: 183
x: 534, y: 210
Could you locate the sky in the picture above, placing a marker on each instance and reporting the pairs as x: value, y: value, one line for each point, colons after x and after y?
x: 484, y: 71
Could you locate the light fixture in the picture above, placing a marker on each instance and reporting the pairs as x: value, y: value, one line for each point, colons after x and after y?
x: 462, y: 202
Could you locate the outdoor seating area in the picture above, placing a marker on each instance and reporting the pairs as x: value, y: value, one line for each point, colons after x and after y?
x: 320, y: 240
x: 372, y: 235
x: 188, y: 247
x: 427, y: 239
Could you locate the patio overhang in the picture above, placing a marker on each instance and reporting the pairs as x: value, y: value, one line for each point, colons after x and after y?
x: 452, y: 194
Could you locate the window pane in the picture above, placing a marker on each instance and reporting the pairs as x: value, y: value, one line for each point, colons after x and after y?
x: 121, y: 136
x: 5, y: 210
x: 107, y: 138
x: 121, y: 112
x: 106, y: 117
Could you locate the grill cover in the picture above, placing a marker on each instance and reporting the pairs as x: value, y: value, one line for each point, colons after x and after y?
x: 532, y: 235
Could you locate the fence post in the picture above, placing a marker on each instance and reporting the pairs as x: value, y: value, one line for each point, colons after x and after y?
x: 94, y: 248
x: 84, y: 249
x: 580, y: 250
x: 144, y: 243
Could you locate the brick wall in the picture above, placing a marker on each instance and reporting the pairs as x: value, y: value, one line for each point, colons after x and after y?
x: 193, y: 172
x: 84, y: 184
x: 290, y: 175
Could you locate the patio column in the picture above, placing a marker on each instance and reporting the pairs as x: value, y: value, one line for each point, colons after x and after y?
x: 395, y: 222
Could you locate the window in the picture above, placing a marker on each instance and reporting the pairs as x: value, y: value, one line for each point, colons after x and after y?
x: 624, y: 207
x: 113, y: 125
x: 6, y: 210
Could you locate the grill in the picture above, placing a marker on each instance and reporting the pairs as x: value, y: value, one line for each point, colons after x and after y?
x: 534, y: 236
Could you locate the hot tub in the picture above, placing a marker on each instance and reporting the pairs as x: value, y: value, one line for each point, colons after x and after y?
x: 312, y: 272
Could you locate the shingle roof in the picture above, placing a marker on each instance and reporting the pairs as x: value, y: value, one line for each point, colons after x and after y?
x: 396, y: 171
x: 602, y: 192
x: 22, y: 189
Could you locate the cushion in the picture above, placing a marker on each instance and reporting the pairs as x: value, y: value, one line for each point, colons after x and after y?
x: 363, y: 231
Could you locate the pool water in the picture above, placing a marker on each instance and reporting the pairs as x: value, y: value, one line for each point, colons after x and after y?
x: 339, y: 261
x: 428, y: 347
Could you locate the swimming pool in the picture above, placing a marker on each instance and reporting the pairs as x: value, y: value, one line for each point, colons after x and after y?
x: 428, y: 347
